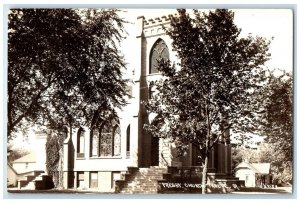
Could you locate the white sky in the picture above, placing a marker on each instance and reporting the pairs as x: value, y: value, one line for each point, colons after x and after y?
x: 277, y: 23
x: 268, y: 23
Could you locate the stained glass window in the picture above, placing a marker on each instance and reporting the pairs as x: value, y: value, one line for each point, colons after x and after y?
x: 105, y: 140
x: 81, y: 148
x: 95, y: 142
x: 158, y: 51
x: 106, y: 144
x: 117, y: 141
x: 80, y: 143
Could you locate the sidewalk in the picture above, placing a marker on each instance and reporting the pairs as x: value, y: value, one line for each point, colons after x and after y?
x: 278, y: 190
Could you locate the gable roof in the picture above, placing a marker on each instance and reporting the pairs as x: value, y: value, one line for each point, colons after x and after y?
x: 243, y: 165
x: 262, y: 168
x: 10, y: 167
x: 29, y: 158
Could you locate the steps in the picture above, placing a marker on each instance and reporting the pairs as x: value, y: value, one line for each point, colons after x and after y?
x: 37, y: 181
x: 173, y: 180
x: 140, y: 181
x: 189, y: 180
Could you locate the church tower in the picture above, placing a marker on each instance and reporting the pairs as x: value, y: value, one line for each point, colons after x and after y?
x: 153, y: 43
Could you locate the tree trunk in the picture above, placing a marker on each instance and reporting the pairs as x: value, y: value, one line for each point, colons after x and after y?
x: 204, y: 174
x: 204, y: 171
x: 60, y: 168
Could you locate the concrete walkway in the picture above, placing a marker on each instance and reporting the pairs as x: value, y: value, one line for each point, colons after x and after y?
x: 278, y: 190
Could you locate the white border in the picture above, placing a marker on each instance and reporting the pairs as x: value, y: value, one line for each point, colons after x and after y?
x: 151, y: 4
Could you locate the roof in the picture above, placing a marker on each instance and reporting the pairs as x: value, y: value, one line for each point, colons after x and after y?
x: 9, y: 166
x: 262, y: 168
x: 29, y: 158
x: 243, y: 165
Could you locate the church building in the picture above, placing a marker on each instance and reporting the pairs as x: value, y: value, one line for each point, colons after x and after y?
x: 102, y: 157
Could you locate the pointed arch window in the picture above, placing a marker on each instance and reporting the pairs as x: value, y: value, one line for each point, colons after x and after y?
x: 95, y: 142
x: 106, y: 140
x: 128, y: 142
x: 158, y: 51
x: 80, y: 143
x: 117, y: 141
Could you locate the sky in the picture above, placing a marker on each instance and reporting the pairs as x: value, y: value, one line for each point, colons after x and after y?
x: 276, y: 24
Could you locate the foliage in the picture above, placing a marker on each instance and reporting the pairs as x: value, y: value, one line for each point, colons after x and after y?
x: 265, y: 153
x: 63, y: 64
x: 54, y: 155
x: 211, y: 90
x: 13, y: 154
x: 276, y: 120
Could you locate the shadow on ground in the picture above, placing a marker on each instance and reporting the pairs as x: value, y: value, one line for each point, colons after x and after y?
x: 56, y: 191
x: 279, y: 190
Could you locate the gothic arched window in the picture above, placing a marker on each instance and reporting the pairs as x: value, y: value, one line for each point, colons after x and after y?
x: 158, y: 51
x: 128, y: 142
x: 95, y: 142
x: 105, y: 141
x: 117, y: 141
x: 80, y: 143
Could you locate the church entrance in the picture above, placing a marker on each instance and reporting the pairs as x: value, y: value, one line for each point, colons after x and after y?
x: 155, y: 151
x: 196, y: 154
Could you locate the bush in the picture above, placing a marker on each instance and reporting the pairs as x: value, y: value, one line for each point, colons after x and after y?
x: 52, y: 157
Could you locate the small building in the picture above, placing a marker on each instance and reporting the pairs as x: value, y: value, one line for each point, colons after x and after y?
x: 12, y: 176
x: 25, y: 164
x: 254, y: 174
x: 36, y: 159
x: 20, y: 169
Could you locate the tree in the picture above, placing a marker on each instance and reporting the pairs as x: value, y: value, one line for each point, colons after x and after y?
x: 63, y: 66
x: 211, y: 90
x: 276, y: 122
x: 52, y: 158
x: 54, y: 155
x: 265, y: 153
x: 276, y: 118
